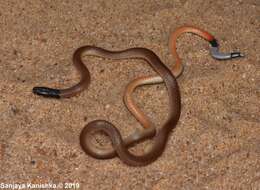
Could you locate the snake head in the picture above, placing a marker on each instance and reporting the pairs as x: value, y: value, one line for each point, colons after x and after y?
x: 224, y: 56
x: 214, y: 51
x: 236, y: 54
x: 47, y: 92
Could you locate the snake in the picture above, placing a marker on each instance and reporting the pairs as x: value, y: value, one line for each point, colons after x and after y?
x: 160, y: 138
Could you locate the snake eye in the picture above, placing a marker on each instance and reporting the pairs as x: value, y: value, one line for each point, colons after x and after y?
x: 47, y: 92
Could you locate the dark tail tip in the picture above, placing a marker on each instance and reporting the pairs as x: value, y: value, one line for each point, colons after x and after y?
x: 47, y: 92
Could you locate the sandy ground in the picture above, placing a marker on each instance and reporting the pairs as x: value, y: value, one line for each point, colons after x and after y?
x: 216, y: 144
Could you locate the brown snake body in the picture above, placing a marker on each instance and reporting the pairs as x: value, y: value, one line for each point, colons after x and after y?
x: 118, y: 143
x: 120, y: 146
